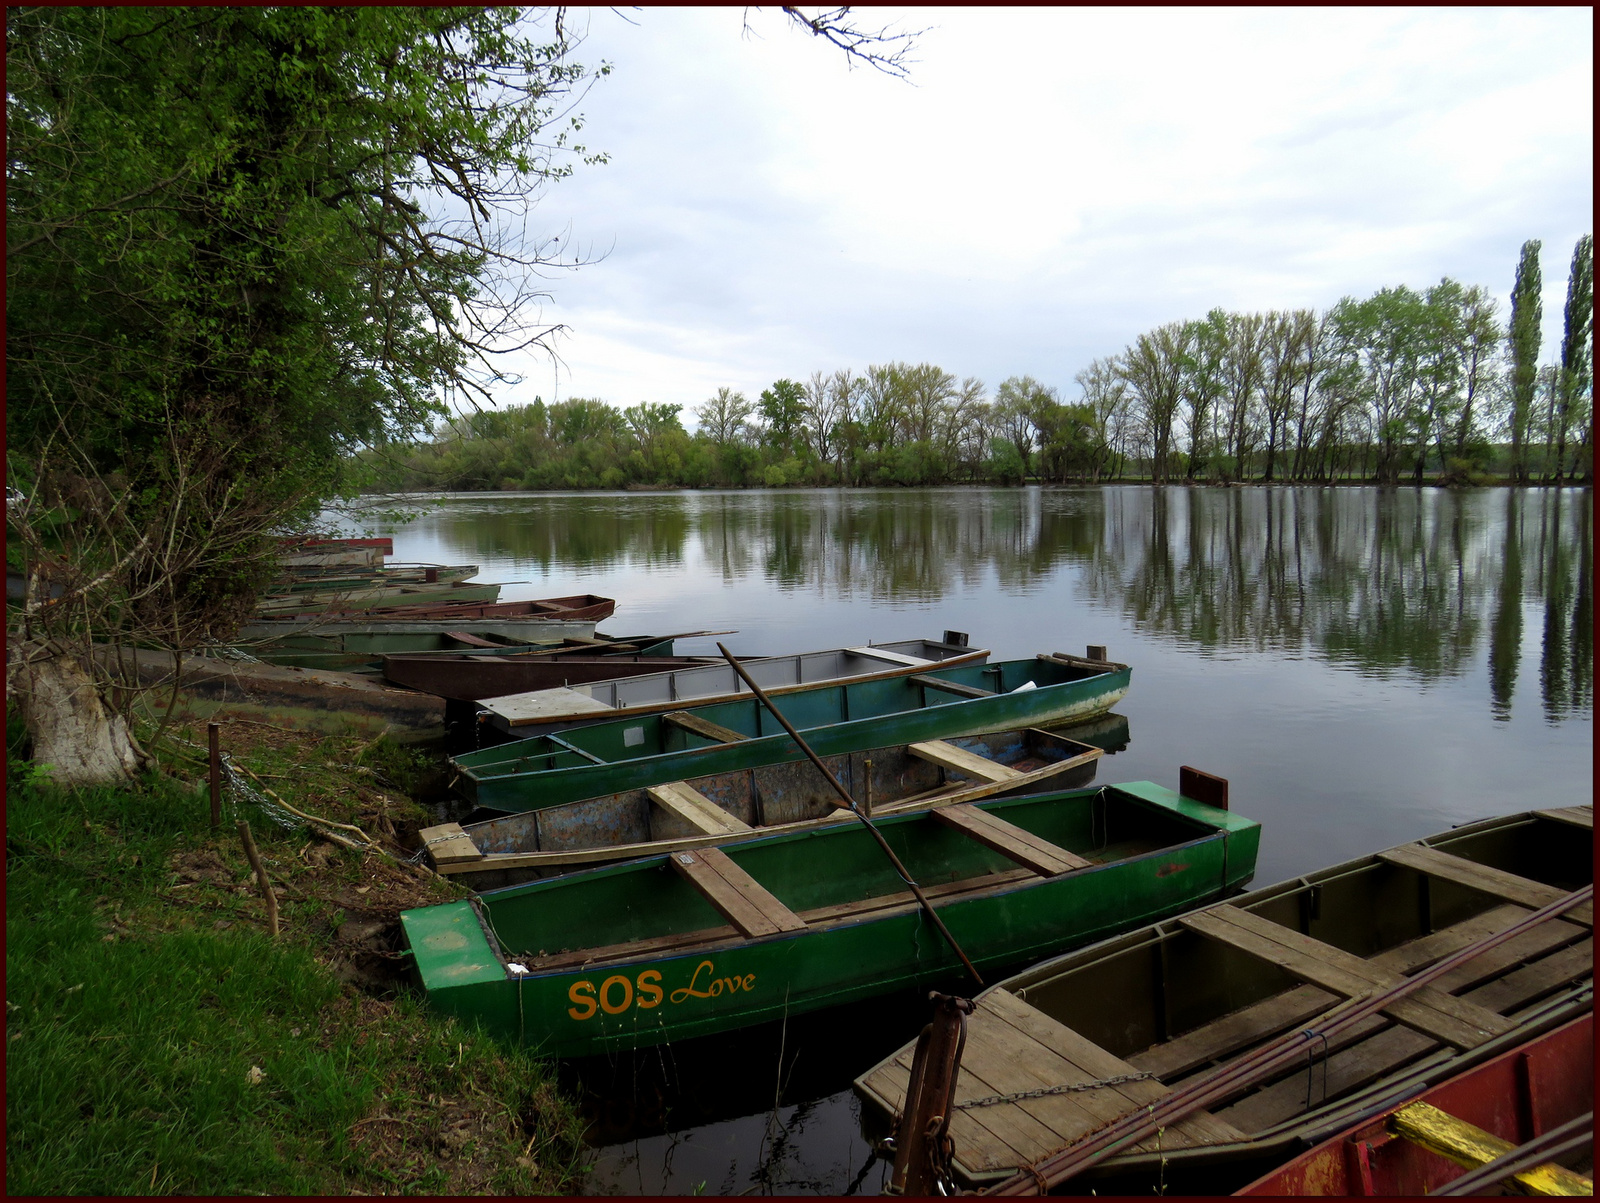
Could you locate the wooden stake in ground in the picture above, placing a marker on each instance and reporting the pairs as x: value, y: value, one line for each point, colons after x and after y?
x: 261, y: 877
x: 215, y: 766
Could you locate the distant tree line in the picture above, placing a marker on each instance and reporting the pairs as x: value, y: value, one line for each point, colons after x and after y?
x: 1397, y: 386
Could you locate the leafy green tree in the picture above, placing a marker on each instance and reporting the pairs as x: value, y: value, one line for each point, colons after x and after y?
x: 783, y: 409
x: 1203, y: 386
x: 1153, y: 368
x: 1527, y: 313
x: 725, y: 418
x: 242, y: 243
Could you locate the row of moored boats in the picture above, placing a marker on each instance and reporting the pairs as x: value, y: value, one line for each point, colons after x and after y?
x: 654, y: 856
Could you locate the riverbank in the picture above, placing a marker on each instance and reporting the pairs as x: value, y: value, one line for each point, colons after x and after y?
x: 159, y: 1040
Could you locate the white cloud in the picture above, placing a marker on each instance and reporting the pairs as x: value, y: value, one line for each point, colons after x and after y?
x: 1051, y: 183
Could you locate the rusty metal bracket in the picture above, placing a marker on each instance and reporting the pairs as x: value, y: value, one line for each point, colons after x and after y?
x: 922, y: 1145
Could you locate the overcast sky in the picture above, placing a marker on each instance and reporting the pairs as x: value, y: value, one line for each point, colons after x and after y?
x: 1047, y: 185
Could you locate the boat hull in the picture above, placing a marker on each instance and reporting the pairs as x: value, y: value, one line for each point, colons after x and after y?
x: 560, y: 839
x: 534, y: 773
x: 630, y: 1000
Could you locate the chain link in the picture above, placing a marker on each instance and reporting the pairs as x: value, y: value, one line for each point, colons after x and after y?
x: 1043, y: 1091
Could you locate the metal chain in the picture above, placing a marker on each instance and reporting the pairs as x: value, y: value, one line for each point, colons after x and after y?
x: 1040, y: 1093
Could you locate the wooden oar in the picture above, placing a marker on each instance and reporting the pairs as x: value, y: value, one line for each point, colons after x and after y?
x: 854, y: 809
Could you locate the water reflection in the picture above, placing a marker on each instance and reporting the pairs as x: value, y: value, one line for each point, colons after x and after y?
x: 1419, y: 583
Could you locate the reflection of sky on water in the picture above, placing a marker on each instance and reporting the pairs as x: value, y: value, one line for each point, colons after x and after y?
x: 1365, y: 669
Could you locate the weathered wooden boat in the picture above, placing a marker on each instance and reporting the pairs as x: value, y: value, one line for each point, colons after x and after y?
x: 582, y: 605
x: 1508, y: 1108
x: 305, y: 578
x: 470, y: 678
x: 703, y: 941
x: 376, y: 597
x: 378, y: 633
x: 706, y: 811
x: 1245, y: 1031
x: 334, y: 553
x: 632, y: 753
x: 367, y: 654
x: 555, y: 709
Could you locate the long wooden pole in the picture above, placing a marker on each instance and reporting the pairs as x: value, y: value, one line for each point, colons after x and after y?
x: 854, y: 809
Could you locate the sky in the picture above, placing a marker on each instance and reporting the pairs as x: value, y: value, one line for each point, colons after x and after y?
x: 1046, y: 185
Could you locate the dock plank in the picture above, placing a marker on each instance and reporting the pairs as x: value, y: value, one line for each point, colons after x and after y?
x: 700, y: 726
x: 1492, y: 881
x: 1009, y: 840
x: 985, y: 1143
x: 738, y: 897
x: 968, y: 764
x: 694, y: 808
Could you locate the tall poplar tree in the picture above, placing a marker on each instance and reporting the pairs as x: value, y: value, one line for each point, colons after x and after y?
x: 1527, y: 312
x: 1577, y: 349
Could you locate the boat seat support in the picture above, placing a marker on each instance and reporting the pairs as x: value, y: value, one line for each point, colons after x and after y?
x: 694, y: 808
x: 1495, y: 882
x: 968, y: 764
x: 966, y: 691
x: 1027, y: 849
x: 699, y: 726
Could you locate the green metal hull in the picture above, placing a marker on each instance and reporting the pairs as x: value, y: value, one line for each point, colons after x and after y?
x: 534, y: 773
x: 1179, y: 854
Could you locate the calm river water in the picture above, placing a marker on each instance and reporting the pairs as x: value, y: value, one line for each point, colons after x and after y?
x: 1365, y: 667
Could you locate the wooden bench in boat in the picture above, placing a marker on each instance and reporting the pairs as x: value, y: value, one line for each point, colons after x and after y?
x: 888, y: 657
x: 694, y: 808
x: 1027, y: 849
x: 966, y: 691
x: 471, y: 640
x: 740, y: 898
x: 1428, y: 1010
x: 969, y: 764
x: 1468, y: 1145
x: 1495, y: 882
x: 1013, y: 1048
x: 703, y: 727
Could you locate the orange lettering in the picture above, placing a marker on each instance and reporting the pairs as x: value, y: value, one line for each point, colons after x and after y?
x: 575, y: 992
x: 605, y: 995
x: 649, y: 993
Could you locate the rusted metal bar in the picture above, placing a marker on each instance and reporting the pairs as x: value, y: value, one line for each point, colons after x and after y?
x: 922, y: 1149
x: 213, y: 739
x: 1050, y: 1172
x: 839, y: 789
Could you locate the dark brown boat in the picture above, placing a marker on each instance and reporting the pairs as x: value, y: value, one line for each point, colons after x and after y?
x: 585, y: 607
x: 470, y: 678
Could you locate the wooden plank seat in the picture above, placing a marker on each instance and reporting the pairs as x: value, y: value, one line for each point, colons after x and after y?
x: 740, y: 898
x: 1427, y: 1009
x: 694, y: 808
x: 448, y: 844
x: 966, y: 691
x: 1013, y: 1048
x: 1495, y: 882
x: 471, y: 640
x: 1578, y: 816
x: 888, y: 657
x: 703, y: 727
x: 1027, y: 849
x: 1468, y: 1145
x: 1238, y: 1030
x: 968, y: 764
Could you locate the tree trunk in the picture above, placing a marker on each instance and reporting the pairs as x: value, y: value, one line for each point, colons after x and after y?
x: 73, y: 732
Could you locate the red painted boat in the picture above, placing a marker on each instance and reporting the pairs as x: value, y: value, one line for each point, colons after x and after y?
x: 1527, y: 1093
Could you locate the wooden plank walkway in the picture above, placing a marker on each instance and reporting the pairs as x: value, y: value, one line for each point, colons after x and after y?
x: 1014, y: 1048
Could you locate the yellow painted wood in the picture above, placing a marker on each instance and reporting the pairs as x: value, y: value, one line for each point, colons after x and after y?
x: 1470, y: 1146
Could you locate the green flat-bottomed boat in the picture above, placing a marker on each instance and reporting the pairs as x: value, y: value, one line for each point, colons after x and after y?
x: 621, y: 754
x: 704, y: 941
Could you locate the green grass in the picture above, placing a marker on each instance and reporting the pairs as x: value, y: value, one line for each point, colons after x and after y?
x: 160, y: 1043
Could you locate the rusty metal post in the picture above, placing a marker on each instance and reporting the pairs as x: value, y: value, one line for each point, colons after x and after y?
x: 922, y: 1146
x: 212, y: 738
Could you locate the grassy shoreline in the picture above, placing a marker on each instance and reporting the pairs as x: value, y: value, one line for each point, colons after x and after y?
x: 159, y: 1041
